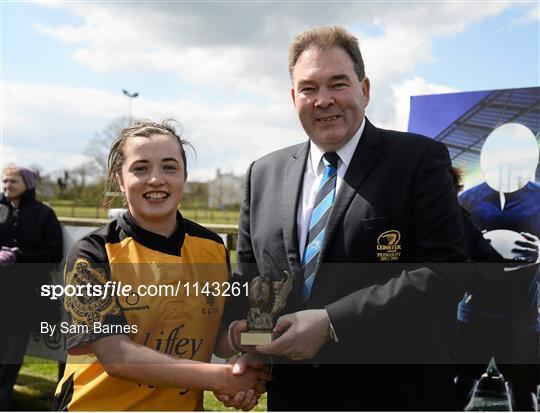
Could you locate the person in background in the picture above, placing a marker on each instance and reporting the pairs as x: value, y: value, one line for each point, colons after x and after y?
x: 29, y: 234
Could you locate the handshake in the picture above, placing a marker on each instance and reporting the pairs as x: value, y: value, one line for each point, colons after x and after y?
x: 8, y: 255
x: 300, y: 336
x: 249, y: 375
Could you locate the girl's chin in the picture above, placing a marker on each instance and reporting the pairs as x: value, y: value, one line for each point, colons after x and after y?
x: 154, y: 213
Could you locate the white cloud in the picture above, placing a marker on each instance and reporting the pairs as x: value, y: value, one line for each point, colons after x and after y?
x: 38, y: 115
x: 51, y: 125
x: 40, y: 156
x: 402, y: 94
x: 237, y: 49
x: 243, y: 46
x: 531, y: 15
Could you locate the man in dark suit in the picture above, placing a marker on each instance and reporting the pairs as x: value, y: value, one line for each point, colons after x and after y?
x: 347, y: 214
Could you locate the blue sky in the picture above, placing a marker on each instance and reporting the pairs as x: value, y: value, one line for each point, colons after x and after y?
x: 220, y: 68
x: 494, y: 53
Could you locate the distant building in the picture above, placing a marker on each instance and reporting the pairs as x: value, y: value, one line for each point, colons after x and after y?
x: 195, y: 194
x: 225, y: 190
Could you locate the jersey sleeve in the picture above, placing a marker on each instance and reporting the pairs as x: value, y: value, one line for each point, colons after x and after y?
x: 91, y: 311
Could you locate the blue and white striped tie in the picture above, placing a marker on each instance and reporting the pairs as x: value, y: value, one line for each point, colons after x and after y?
x: 319, y: 217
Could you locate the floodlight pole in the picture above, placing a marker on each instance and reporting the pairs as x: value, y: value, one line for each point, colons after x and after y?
x: 130, y: 96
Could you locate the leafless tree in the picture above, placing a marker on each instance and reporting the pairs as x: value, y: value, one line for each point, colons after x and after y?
x: 38, y: 169
x: 82, y: 172
x: 98, y: 147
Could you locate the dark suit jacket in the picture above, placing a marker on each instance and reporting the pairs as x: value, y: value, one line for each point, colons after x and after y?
x: 386, y: 311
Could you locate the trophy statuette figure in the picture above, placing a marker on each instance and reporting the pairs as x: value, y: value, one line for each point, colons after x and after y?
x: 267, y: 299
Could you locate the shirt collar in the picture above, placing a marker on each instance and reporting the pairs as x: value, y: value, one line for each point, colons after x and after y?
x: 345, y: 153
x: 171, y: 245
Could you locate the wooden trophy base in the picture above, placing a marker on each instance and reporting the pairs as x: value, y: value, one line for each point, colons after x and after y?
x: 255, y: 338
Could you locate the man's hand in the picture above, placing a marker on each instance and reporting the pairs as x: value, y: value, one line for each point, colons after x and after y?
x: 244, y: 400
x: 236, y: 331
x: 303, y: 335
x: 527, y: 250
x: 8, y: 256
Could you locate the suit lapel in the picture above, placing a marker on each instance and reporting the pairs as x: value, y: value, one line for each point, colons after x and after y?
x: 292, y: 191
x: 366, y: 154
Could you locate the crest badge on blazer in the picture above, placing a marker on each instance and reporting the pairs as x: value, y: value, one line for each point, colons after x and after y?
x: 388, y: 246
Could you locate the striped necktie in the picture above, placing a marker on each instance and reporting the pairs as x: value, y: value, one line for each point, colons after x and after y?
x: 319, y: 217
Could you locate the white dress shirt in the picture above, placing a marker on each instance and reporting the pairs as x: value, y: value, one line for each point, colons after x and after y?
x: 313, y: 174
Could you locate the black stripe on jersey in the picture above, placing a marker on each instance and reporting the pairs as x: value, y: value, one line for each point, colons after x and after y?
x: 62, y: 399
x: 93, y: 244
x: 171, y: 245
x: 196, y: 230
x: 92, y: 247
x: 88, y: 263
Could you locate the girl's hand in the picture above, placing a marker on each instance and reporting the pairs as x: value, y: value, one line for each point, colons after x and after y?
x: 249, y: 370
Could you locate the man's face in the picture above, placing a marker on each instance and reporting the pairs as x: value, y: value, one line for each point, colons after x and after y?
x: 328, y: 97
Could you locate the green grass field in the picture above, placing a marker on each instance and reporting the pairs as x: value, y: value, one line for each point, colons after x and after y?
x: 202, y: 215
x: 37, y: 381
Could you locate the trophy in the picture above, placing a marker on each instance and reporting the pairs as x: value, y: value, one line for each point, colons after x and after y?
x: 267, y: 299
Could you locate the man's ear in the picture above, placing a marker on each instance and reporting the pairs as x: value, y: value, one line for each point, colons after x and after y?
x: 293, y: 97
x: 366, y: 86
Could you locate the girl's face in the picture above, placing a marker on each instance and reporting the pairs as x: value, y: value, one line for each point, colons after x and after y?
x: 152, y: 178
x: 13, y: 186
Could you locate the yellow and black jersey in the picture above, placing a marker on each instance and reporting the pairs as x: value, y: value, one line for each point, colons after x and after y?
x: 170, y: 306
